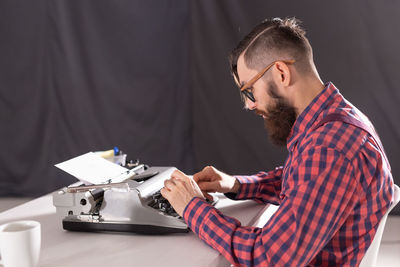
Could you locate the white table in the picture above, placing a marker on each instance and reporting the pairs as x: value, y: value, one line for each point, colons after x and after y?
x: 63, y: 248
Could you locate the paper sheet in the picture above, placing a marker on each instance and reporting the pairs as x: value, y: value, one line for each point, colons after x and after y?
x: 91, y: 168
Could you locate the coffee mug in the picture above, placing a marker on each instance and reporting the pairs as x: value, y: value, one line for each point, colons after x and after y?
x: 20, y: 244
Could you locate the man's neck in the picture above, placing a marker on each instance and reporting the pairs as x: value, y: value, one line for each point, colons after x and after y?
x: 308, y: 89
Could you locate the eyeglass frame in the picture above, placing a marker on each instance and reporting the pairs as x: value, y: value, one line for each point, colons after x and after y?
x: 244, y: 89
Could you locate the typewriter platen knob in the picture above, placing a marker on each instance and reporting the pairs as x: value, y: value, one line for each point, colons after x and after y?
x: 83, y: 202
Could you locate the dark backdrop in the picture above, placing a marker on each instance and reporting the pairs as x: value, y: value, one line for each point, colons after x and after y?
x: 152, y: 77
x: 79, y: 76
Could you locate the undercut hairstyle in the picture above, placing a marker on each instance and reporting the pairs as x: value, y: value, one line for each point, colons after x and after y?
x: 274, y: 39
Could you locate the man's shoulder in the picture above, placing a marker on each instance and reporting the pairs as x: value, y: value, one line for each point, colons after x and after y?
x: 344, y: 137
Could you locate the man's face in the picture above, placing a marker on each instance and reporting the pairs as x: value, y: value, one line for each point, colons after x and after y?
x: 278, y: 114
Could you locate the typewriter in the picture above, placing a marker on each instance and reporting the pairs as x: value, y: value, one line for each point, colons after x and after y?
x: 132, y: 205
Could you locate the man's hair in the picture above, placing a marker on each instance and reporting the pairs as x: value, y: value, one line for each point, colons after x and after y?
x: 274, y: 39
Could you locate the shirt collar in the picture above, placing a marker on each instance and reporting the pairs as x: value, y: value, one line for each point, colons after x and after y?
x: 310, y: 114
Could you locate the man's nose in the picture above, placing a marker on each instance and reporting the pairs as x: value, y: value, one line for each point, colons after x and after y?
x: 250, y: 105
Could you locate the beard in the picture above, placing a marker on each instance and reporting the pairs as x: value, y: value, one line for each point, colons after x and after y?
x: 279, y: 118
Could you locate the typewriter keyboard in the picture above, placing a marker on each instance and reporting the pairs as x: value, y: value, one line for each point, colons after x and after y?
x: 160, y: 203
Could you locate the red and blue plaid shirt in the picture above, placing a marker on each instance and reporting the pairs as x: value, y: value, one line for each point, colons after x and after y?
x: 332, y: 192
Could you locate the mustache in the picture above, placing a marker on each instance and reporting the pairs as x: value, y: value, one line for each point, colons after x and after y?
x: 261, y: 113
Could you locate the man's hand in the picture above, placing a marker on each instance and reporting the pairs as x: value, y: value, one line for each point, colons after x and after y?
x: 179, y: 190
x: 212, y: 180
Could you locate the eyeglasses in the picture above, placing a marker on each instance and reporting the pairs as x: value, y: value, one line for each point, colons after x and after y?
x: 245, y: 89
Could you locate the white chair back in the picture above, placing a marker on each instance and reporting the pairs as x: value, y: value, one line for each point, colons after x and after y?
x: 369, y: 259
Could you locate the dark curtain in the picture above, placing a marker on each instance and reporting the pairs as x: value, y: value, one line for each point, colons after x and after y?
x: 79, y: 76
x: 152, y: 77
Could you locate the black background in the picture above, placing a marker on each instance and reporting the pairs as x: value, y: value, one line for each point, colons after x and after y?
x: 152, y: 77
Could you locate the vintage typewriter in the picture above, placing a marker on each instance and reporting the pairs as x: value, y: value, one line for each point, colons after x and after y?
x: 132, y: 205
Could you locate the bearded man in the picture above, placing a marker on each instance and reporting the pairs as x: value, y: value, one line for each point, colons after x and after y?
x: 336, y: 183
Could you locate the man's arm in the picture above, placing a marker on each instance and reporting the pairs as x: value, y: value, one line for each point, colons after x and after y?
x: 263, y: 187
x: 309, y: 215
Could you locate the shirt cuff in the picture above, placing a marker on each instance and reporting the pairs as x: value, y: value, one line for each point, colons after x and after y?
x: 195, y: 212
x: 247, y: 189
x: 243, y: 181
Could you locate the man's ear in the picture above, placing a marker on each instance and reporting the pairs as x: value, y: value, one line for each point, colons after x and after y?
x: 282, y: 73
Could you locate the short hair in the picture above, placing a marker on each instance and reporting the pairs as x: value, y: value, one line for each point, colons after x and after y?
x: 274, y: 39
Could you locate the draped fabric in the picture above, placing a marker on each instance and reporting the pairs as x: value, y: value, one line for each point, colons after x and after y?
x: 79, y: 76
x: 152, y: 77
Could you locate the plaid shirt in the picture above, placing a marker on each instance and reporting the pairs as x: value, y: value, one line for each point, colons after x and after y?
x: 332, y: 192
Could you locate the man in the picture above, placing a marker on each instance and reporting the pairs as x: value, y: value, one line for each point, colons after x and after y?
x: 336, y: 183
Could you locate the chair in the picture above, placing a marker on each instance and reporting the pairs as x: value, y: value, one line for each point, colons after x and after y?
x: 369, y: 259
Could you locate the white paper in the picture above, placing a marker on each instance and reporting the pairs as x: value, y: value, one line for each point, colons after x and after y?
x: 91, y: 168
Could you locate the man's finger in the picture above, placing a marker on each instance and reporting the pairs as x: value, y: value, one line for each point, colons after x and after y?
x: 204, y: 175
x: 164, y: 192
x: 208, y: 196
x: 177, y: 174
x: 169, y: 184
x: 209, y: 186
x: 179, y: 182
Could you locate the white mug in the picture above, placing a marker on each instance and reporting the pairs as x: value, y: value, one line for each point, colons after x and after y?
x: 20, y: 243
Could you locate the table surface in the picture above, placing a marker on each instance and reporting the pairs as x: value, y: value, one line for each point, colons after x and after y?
x: 64, y: 248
